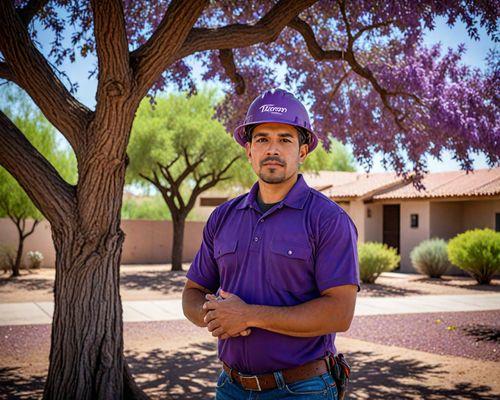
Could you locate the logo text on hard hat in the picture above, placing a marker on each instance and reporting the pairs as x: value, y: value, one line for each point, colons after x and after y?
x: 272, y: 108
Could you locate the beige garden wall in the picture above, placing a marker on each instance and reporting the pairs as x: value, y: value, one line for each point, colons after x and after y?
x: 146, y: 242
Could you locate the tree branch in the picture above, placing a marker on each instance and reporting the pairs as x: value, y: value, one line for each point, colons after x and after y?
x: 6, y: 72
x: 153, y: 57
x: 33, y: 73
x: 371, y: 27
x: 115, y: 74
x: 217, y: 177
x: 312, y: 45
x: 174, y: 188
x: 35, y: 223
x: 226, y: 58
x: 31, y: 9
x: 163, y: 190
x: 343, y: 12
x: 51, y: 194
x: 319, y: 54
x: 267, y: 29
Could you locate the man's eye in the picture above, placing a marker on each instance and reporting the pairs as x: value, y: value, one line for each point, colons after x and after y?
x: 287, y: 140
x: 261, y: 139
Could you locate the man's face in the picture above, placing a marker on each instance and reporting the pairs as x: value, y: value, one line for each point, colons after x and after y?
x: 274, y: 152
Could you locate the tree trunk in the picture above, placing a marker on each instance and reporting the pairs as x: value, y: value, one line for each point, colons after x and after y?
x: 86, y: 355
x: 16, y: 267
x: 179, y: 222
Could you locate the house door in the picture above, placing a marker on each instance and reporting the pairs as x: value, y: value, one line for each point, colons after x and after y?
x: 391, y: 226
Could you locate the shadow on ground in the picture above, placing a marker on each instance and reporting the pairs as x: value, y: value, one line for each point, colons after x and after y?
x: 483, y: 333
x: 26, y: 282
x: 460, y: 282
x: 165, y: 282
x: 14, y: 385
x: 382, y: 290
x: 191, y: 373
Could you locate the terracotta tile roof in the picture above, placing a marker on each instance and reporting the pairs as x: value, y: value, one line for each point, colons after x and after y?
x: 481, y: 182
x: 387, y: 185
x: 338, y: 184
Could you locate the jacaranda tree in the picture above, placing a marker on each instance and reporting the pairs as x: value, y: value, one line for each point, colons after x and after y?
x: 362, y: 66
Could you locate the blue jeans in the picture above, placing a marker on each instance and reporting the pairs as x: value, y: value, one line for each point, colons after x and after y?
x: 316, y: 388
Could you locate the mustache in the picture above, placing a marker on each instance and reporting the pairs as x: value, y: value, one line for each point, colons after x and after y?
x: 273, y: 159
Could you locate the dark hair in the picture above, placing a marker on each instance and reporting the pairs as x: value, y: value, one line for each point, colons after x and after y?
x: 304, y: 135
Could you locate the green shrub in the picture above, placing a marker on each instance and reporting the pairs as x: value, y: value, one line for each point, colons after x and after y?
x: 477, y: 252
x: 7, y: 257
x: 430, y: 257
x: 375, y: 258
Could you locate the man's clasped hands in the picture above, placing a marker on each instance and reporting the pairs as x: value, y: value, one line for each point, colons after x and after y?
x: 227, y: 316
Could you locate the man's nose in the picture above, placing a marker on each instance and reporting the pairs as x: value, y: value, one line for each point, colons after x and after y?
x: 272, y: 148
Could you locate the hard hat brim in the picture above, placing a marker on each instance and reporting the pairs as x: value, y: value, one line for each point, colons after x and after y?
x: 240, y: 135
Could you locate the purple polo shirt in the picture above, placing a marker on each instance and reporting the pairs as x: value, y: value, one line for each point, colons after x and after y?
x: 303, y: 245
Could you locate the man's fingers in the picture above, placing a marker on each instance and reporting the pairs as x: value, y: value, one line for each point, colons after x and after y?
x: 212, y: 325
x: 210, y: 296
x: 246, y: 332
x: 224, y: 336
x: 209, y: 316
x: 210, y: 305
x: 218, y: 332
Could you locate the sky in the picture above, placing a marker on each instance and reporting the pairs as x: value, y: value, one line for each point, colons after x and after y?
x: 475, y: 54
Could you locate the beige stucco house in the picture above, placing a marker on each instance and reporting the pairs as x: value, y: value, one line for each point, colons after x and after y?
x: 386, y: 209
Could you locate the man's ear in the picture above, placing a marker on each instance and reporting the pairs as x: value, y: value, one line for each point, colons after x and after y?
x: 303, y: 152
x: 248, y: 151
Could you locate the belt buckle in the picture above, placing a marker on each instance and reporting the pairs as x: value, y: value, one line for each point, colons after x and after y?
x: 259, y: 389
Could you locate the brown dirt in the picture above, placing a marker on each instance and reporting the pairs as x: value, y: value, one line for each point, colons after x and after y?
x: 156, y: 282
x: 176, y: 360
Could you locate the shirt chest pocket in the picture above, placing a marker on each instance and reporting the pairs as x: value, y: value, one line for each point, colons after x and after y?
x: 291, y: 267
x: 225, y: 253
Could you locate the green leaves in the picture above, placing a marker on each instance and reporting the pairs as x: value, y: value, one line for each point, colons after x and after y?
x: 42, y: 135
x: 375, y: 258
x: 477, y: 252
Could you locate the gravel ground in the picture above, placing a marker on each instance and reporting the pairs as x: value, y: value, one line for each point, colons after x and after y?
x: 474, y: 335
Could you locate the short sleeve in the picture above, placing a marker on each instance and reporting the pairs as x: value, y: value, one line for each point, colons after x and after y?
x: 336, y: 261
x: 203, y: 269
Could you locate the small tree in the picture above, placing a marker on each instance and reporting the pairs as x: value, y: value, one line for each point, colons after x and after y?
x: 14, y: 202
x: 179, y: 147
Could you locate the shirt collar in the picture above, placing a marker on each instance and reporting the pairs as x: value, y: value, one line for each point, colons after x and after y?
x: 295, y: 198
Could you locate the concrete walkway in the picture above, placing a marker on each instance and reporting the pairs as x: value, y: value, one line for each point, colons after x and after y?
x: 167, y: 310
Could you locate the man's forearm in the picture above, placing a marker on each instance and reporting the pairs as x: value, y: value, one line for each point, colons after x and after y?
x: 192, y: 303
x: 313, y: 318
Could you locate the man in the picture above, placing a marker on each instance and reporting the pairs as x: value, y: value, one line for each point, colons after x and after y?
x: 282, y: 260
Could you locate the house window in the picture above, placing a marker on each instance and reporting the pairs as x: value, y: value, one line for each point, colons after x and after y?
x: 497, y: 222
x: 212, y: 201
x: 414, y: 220
x: 368, y: 213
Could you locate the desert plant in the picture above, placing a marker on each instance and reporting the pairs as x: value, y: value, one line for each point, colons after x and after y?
x: 476, y: 252
x: 7, y: 257
x: 430, y: 257
x: 35, y: 258
x: 375, y: 258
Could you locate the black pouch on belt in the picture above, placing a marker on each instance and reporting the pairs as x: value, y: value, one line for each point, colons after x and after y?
x: 340, y: 371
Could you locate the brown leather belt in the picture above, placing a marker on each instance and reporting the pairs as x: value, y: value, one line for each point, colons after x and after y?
x: 267, y: 381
